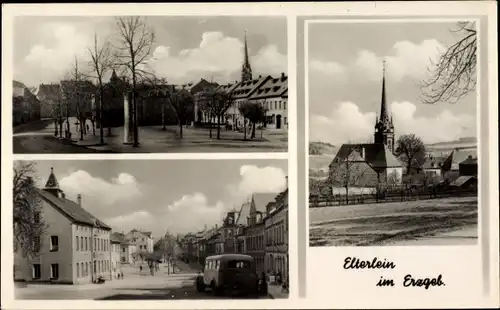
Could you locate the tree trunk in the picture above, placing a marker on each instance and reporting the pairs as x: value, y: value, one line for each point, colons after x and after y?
x: 180, y: 129
x: 101, y: 127
x: 218, y: 127
x: 60, y: 127
x: 110, y: 133
x: 134, y: 105
x: 81, y: 128
x: 244, y: 130
x: 163, y: 117
x: 210, y: 124
x: 55, y: 128
x: 93, y: 127
x: 347, y: 195
x: 253, y: 130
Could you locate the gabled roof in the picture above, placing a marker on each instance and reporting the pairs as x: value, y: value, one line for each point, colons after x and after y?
x: 71, y: 210
x: 49, y: 91
x: 227, y: 88
x: 246, y: 88
x: 273, y: 87
x: 469, y: 161
x: 117, y: 237
x: 456, y: 157
x: 376, y: 155
x: 262, y: 199
x: 145, y: 233
x: 52, y: 181
x: 461, y: 180
x: 243, y: 214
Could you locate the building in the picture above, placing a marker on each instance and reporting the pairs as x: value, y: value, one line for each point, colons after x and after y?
x: 276, y: 235
x: 25, y: 106
x: 78, y: 98
x: 50, y: 98
x: 363, y: 167
x: 74, y: 249
x: 254, y: 231
x: 116, y: 240
x: 451, y: 166
x: 142, y: 240
x: 468, y: 167
x: 273, y: 95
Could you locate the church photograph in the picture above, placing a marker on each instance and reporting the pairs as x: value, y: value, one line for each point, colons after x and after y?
x: 150, y: 84
x: 392, y: 133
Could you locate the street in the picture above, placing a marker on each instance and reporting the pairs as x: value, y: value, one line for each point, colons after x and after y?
x: 38, y: 139
x: 136, y: 285
x: 425, y: 222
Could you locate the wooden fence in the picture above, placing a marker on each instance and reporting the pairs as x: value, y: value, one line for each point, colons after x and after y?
x: 403, y: 195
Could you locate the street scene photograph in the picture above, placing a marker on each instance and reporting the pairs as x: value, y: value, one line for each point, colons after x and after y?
x: 156, y: 84
x: 392, y: 133
x: 124, y: 230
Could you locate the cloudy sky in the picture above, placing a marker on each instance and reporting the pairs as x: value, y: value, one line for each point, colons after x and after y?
x: 186, y: 48
x: 345, y: 78
x: 179, y: 195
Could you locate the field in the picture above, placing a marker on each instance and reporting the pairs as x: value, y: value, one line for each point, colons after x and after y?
x: 426, y: 222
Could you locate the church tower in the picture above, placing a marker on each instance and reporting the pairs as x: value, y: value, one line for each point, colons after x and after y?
x: 246, y: 70
x: 52, y: 186
x: 384, y: 128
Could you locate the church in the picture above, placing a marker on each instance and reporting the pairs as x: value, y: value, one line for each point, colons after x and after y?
x: 363, y: 167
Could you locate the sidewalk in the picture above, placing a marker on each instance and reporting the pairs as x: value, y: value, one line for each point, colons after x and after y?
x: 276, y: 292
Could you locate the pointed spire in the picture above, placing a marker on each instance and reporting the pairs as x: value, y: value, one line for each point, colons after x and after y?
x: 246, y: 70
x: 52, y: 186
x: 384, y: 115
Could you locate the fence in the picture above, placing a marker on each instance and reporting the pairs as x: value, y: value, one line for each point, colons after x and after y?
x: 403, y: 195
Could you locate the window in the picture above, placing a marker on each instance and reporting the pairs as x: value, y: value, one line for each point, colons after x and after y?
x: 217, y: 265
x: 36, y: 217
x: 86, y: 244
x: 238, y: 264
x: 54, y: 243
x: 77, y: 243
x: 95, y: 244
x: 82, y: 271
x: 81, y: 243
x: 123, y: 250
x: 37, y: 271
x: 284, y: 107
x: 86, y: 269
x: 95, y: 266
x: 54, y: 271
x: 77, y: 269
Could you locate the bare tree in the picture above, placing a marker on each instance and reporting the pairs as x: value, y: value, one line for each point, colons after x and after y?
x: 77, y: 89
x: 217, y: 103
x: 254, y: 112
x: 348, y: 172
x: 183, y: 104
x: 411, y: 150
x: 29, y: 227
x: 101, y: 62
x: 454, y: 74
x: 135, y: 42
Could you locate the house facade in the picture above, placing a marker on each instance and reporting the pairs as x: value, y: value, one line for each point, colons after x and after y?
x: 276, y: 235
x: 75, y: 247
x: 142, y: 240
x: 25, y: 105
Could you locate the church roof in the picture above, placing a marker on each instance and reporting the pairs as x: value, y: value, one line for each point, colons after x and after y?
x: 375, y: 154
x: 71, y: 210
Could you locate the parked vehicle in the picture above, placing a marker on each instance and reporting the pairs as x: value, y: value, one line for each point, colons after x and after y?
x: 229, y: 273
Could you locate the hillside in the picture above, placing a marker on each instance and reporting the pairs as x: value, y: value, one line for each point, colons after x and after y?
x: 322, y: 148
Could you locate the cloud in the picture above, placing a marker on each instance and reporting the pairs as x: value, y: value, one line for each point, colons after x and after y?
x: 188, y: 214
x: 97, y: 192
x: 50, y: 62
x: 347, y: 123
x: 405, y: 60
x: 217, y: 55
x: 328, y: 69
x: 261, y: 180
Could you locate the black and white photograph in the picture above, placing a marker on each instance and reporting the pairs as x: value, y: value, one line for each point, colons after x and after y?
x: 151, y: 229
x: 392, y: 132
x: 155, y: 84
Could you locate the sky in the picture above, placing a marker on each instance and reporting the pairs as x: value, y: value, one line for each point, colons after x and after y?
x: 345, y: 82
x: 180, y: 196
x: 186, y: 48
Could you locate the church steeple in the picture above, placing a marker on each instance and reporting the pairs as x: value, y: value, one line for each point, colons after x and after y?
x: 384, y: 128
x: 246, y: 70
x: 52, y: 186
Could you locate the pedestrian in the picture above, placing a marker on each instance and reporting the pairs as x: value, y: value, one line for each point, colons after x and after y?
x: 121, y: 274
x: 140, y: 268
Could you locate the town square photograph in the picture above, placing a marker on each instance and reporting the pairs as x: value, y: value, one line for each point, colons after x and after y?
x: 155, y: 84
x: 392, y: 132
x: 150, y: 229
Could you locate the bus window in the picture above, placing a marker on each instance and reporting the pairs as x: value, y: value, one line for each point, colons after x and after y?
x: 238, y: 264
x: 217, y: 265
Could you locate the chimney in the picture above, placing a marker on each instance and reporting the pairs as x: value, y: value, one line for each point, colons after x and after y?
x: 79, y: 199
x: 282, y: 74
